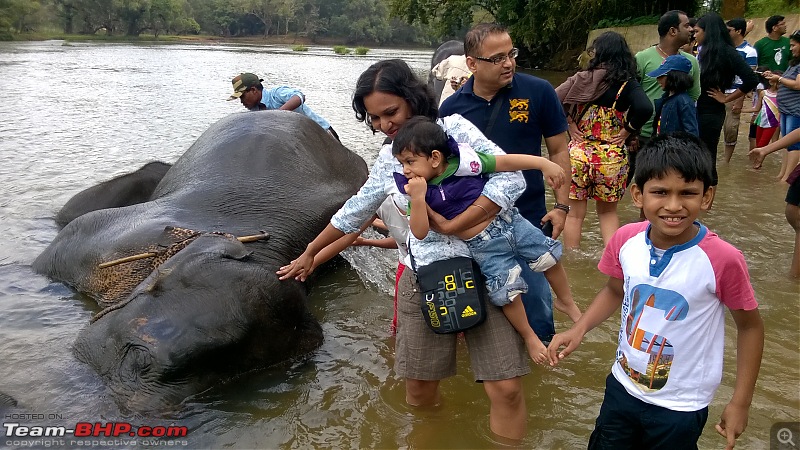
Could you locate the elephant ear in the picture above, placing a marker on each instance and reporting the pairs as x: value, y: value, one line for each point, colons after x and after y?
x: 173, y: 235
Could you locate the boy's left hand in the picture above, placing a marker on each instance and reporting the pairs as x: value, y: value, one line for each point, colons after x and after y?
x: 732, y: 423
x: 553, y: 174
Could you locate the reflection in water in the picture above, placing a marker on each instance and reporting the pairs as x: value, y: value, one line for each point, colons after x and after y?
x: 74, y: 115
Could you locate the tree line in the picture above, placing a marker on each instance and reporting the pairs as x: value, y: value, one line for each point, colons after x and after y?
x: 352, y: 21
x: 545, y: 30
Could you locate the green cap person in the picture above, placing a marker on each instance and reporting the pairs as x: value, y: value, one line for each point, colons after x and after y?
x: 248, y: 89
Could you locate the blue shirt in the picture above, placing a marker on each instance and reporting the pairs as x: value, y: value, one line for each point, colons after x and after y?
x: 529, y: 110
x: 676, y: 113
x: 276, y: 97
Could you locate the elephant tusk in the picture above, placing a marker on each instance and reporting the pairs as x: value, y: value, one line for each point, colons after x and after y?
x: 254, y: 237
x: 127, y: 259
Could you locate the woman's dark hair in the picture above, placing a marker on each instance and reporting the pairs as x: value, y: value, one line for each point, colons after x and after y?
x: 678, y: 82
x: 611, y: 52
x: 393, y: 76
x: 795, y: 36
x: 421, y: 136
x: 681, y: 152
x: 717, y: 53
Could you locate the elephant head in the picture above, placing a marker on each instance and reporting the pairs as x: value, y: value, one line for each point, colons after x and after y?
x: 198, y: 306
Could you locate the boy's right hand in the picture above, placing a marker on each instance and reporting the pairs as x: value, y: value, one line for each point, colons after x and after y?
x: 757, y: 156
x: 569, y: 339
x: 553, y: 174
x: 417, y: 187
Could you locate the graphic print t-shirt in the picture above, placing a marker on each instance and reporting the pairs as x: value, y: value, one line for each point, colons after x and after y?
x: 671, y: 338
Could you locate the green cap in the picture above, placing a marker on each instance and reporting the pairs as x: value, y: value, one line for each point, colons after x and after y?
x: 243, y: 82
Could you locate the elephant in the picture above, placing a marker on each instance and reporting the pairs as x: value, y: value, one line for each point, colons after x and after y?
x: 443, y: 52
x: 129, y: 189
x: 187, y: 278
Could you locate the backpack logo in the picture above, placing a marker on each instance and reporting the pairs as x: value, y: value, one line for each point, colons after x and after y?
x: 468, y: 311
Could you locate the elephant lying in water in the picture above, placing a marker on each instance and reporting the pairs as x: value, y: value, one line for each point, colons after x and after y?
x: 199, y: 306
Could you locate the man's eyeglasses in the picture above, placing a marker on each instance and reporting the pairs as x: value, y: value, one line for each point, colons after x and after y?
x: 500, y: 59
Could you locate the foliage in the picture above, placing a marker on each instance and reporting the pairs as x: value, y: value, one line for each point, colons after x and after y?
x: 766, y: 8
x: 361, y: 50
x: 341, y: 50
x: 541, y: 28
x: 354, y: 22
x: 627, y: 22
x: 299, y: 48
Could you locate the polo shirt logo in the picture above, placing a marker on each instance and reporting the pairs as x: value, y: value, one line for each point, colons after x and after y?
x: 518, y: 110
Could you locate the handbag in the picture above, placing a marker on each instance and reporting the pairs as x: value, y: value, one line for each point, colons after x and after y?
x: 452, y: 294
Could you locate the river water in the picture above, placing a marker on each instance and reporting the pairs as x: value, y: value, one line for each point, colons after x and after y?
x: 72, y: 115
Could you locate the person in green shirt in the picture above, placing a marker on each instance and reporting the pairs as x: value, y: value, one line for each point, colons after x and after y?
x: 674, y: 31
x: 773, y: 49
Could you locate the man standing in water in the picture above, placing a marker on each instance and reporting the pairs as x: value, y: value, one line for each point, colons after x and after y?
x: 248, y: 89
x: 773, y: 49
x: 674, y: 32
x: 738, y: 29
x: 515, y: 111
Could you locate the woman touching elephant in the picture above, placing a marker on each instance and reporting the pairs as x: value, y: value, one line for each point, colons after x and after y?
x: 388, y: 94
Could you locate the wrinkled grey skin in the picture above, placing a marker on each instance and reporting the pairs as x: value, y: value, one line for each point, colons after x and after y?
x: 129, y: 189
x: 6, y: 400
x: 216, y: 309
x: 444, y: 51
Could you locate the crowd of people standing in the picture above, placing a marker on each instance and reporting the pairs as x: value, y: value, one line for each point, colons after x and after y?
x: 653, y: 119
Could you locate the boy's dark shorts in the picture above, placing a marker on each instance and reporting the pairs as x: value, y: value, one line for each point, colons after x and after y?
x: 625, y: 422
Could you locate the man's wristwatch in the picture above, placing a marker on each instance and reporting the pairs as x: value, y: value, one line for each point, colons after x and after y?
x: 562, y: 207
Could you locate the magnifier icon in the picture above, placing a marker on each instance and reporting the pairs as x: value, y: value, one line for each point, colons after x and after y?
x: 785, y: 436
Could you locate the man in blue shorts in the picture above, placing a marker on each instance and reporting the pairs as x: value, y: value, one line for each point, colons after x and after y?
x: 515, y: 111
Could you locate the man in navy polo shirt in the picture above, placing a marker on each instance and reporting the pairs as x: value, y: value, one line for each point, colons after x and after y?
x: 515, y: 111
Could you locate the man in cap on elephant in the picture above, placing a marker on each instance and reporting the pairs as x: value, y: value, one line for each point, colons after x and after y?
x: 248, y: 89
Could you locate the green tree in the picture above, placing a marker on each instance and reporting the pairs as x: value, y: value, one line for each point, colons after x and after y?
x: 95, y: 15
x: 18, y: 15
x: 163, y: 15
x: 263, y: 10
x: 65, y: 10
x: 214, y: 16
x: 542, y: 28
x: 133, y: 15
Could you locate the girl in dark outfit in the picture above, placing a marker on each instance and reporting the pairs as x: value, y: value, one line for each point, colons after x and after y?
x: 719, y: 64
x: 604, y: 105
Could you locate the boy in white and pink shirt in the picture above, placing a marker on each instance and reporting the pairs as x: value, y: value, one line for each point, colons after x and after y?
x: 673, y: 279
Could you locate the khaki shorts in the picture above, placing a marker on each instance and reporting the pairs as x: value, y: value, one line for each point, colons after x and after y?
x: 496, y: 350
x: 731, y: 127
